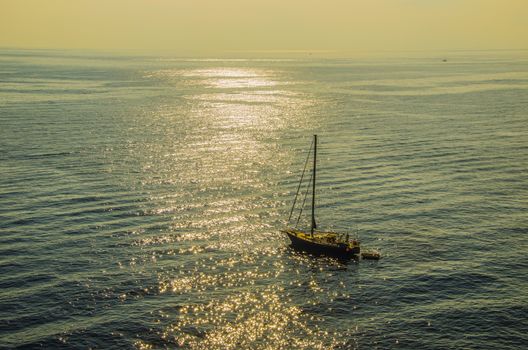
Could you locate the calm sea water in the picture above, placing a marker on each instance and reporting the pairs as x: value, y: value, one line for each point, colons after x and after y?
x: 141, y: 198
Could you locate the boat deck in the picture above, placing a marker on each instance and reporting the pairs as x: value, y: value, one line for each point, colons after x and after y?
x: 333, y: 239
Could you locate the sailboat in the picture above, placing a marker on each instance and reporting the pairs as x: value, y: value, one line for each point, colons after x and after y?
x: 318, y: 242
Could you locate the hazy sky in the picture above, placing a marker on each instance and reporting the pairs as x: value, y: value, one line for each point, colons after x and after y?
x: 194, y: 27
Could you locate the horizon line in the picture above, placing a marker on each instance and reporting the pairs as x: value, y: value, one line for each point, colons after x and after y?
x: 222, y: 54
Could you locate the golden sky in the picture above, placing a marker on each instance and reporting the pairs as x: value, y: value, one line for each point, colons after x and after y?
x: 211, y: 27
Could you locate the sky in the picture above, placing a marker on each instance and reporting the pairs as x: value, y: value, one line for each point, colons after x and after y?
x: 217, y: 27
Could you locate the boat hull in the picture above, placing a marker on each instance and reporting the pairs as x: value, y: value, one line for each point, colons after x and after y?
x: 301, y: 241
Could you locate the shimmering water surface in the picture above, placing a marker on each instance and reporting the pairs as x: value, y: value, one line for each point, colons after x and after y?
x: 141, y: 198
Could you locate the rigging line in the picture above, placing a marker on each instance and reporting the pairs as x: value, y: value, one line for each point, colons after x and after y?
x: 304, y: 200
x: 300, y: 182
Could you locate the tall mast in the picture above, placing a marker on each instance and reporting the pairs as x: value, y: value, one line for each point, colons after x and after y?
x: 314, y: 225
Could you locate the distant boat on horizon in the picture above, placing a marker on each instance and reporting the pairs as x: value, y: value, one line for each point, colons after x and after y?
x: 321, y: 243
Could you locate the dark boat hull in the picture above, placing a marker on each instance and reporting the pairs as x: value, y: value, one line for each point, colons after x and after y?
x: 340, y: 251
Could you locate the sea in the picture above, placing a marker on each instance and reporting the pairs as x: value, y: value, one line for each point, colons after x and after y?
x: 142, y: 198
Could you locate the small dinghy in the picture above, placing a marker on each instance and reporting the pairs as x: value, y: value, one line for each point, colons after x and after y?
x: 372, y: 255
